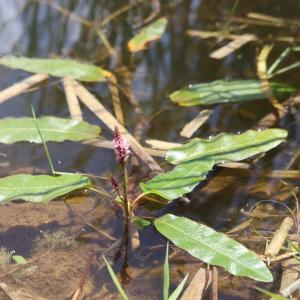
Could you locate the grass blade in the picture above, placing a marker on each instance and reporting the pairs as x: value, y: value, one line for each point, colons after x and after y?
x: 115, y: 279
x: 179, y: 289
x: 166, y: 275
x: 44, y: 144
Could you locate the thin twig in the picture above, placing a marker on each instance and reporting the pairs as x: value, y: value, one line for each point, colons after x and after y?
x: 87, y: 222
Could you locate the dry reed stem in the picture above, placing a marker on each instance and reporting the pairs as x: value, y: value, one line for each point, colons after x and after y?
x: 263, y: 76
x: 90, y: 101
x: 107, y: 144
x: 214, y: 284
x: 270, y: 19
x: 197, y: 286
x: 72, y: 100
x: 233, y: 46
x: 112, y: 84
x: 21, y: 87
x: 279, y: 237
x: 191, y: 127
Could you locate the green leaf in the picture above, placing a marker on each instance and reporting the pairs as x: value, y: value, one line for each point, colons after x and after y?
x: 148, y: 34
x: 222, y: 91
x: 166, y: 282
x: 52, y: 128
x: 39, y: 188
x: 212, y: 247
x: 196, y: 158
x: 268, y: 293
x: 227, y: 147
x: 181, y: 180
x: 115, y: 279
x: 140, y: 223
x: 20, y: 260
x: 57, y: 67
x: 179, y: 289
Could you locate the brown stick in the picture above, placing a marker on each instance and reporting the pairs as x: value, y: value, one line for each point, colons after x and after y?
x: 110, y: 121
x: 113, y: 87
x: 79, y: 292
x: 72, y: 100
x: 279, y: 237
x: 196, y: 288
x: 21, y: 87
x: 214, y: 286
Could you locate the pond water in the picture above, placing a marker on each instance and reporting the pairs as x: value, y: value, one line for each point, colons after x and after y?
x: 42, y: 29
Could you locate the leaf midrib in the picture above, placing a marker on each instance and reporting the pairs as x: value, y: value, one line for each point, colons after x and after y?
x: 48, y: 130
x: 235, y: 148
x: 180, y: 231
x: 179, y: 179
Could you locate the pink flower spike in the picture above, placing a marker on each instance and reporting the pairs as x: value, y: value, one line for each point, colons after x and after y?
x: 121, y: 146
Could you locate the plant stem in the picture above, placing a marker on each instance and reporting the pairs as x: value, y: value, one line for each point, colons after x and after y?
x: 125, y: 196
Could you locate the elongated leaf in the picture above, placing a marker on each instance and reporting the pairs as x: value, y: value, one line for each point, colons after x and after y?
x: 227, y: 147
x: 179, y: 288
x: 39, y: 188
x: 181, y: 180
x: 52, y: 128
x: 212, y: 247
x: 270, y: 294
x: 196, y: 158
x: 222, y: 91
x: 166, y: 282
x: 148, y: 34
x: 115, y: 279
x: 57, y: 67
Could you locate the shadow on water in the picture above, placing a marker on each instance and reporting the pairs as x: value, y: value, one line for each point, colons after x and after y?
x: 37, y: 29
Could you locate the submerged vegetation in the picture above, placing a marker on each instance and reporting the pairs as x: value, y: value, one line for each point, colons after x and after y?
x: 130, y: 205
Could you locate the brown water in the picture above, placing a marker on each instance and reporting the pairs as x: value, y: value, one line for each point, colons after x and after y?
x: 35, y: 29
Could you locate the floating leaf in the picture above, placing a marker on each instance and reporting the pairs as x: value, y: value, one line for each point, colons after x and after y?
x: 148, y: 34
x: 181, y: 180
x: 196, y: 158
x: 227, y: 147
x: 222, y: 91
x: 52, y: 128
x: 212, y: 247
x: 39, y: 188
x: 57, y: 67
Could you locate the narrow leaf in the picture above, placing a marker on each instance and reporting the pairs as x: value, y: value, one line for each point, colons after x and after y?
x: 222, y: 91
x: 181, y: 180
x: 227, y: 147
x: 179, y: 288
x: 270, y: 294
x: 212, y: 247
x: 57, y: 67
x: 115, y: 279
x: 43, y: 142
x: 52, y: 128
x: 39, y: 188
x: 148, y: 34
x: 166, y: 283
